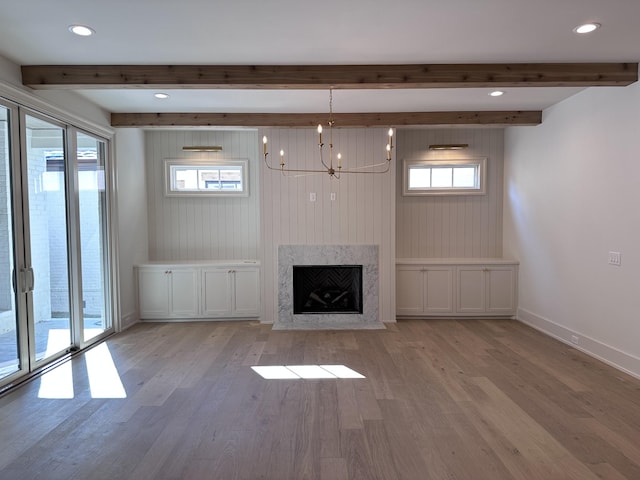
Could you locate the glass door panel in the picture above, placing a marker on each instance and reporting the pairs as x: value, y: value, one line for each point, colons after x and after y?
x: 93, y: 234
x: 9, y: 339
x: 47, y: 239
x: 54, y: 257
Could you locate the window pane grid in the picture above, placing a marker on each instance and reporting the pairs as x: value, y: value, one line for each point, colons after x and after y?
x: 459, y: 176
x: 208, y: 179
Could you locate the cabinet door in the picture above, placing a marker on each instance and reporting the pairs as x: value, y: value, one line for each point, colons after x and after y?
x: 246, y: 292
x: 501, y: 290
x: 409, y: 290
x: 216, y: 292
x: 438, y: 290
x: 184, y: 292
x: 153, y: 290
x: 471, y: 290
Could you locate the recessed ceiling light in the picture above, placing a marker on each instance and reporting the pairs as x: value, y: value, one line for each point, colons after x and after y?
x: 496, y: 93
x: 587, y: 28
x: 161, y: 95
x: 81, y: 30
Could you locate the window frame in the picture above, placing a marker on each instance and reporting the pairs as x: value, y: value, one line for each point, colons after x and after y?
x: 479, y: 163
x: 169, y: 179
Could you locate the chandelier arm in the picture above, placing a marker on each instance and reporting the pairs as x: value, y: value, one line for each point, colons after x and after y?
x: 356, y: 170
x: 281, y: 169
x: 322, y: 159
x: 301, y: 175
x: 374, y: 165
x: 295, y: 169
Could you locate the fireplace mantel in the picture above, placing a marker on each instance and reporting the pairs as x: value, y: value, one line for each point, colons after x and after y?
x: 365, y: 255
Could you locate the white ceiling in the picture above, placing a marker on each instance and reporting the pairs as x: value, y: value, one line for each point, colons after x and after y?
x: 288, y: 32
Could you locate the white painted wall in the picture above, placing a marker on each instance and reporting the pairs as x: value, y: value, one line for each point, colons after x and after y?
x: 133, y: 240
x: 362, y: 214
x: 207, y: 228
x: 571, y: 196
x: 451, y: 226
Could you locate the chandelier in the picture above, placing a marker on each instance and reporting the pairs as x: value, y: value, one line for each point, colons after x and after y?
x: 333, y: 165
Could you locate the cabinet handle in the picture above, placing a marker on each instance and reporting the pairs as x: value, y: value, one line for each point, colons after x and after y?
x: 485, y: 269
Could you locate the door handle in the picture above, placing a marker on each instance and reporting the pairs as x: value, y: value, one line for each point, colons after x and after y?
x: 32, y: 279
x: 23, y: 280
x: 27, y: 280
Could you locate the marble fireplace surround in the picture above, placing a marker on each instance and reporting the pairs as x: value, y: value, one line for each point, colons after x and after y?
x: 365, y: 255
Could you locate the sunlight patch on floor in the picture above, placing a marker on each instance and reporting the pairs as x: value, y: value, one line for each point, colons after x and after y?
x: 57, y: 383
x: 104, y: 380
x: 308, y: 372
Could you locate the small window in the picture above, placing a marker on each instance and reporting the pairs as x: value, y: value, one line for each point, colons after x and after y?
x: 444, y: 177
x: 219, y: 178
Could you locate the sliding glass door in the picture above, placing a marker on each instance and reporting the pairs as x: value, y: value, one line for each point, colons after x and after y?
x: 47, y: 248
x: 54, y: 249
x: 11, y: 346
x: 92, y: 208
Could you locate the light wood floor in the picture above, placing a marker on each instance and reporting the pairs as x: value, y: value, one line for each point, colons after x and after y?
x: 445, y: 399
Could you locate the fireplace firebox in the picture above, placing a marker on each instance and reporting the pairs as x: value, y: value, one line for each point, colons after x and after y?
x: 319, y: 289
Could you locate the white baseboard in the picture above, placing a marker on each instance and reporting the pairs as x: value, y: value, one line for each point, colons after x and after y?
x: 128, y: 320
x: 624, y: 362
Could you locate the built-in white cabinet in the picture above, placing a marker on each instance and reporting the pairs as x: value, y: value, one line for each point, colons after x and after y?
x: 168, y: 292
x: 489, y: 289
x: 424, y: 290
x: 450, y: 287
x: 233, y: 292
x: 209, y: 290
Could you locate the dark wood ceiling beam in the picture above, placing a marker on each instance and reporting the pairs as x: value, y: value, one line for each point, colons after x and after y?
x: 336, y: 76
x: 396, y: 119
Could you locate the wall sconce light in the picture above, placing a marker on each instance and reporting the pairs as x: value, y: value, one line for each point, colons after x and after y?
x: 202, y: 148
x: 449, y: 146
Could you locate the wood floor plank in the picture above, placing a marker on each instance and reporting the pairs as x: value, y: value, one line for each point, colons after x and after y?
x: 333, y: 469
x: 530, y: 440
x: 412, y: 453
x: 441, y: 400
x: 348, y: 412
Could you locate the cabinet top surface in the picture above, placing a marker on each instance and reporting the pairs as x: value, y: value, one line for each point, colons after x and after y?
x: 200, y: 263
x: 456, y: 261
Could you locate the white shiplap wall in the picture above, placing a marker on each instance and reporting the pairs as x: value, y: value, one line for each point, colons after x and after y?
x: 451, y: 226
x: 188, y: 228
x: 362, y: 214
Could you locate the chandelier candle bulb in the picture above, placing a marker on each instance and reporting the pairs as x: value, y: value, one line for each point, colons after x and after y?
x: 327, y: 161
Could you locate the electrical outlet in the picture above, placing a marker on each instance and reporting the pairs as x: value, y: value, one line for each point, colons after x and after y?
x: 615, y: 259
x: 333, y: 196
x: 312, y: 196
x: 575, y: 340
